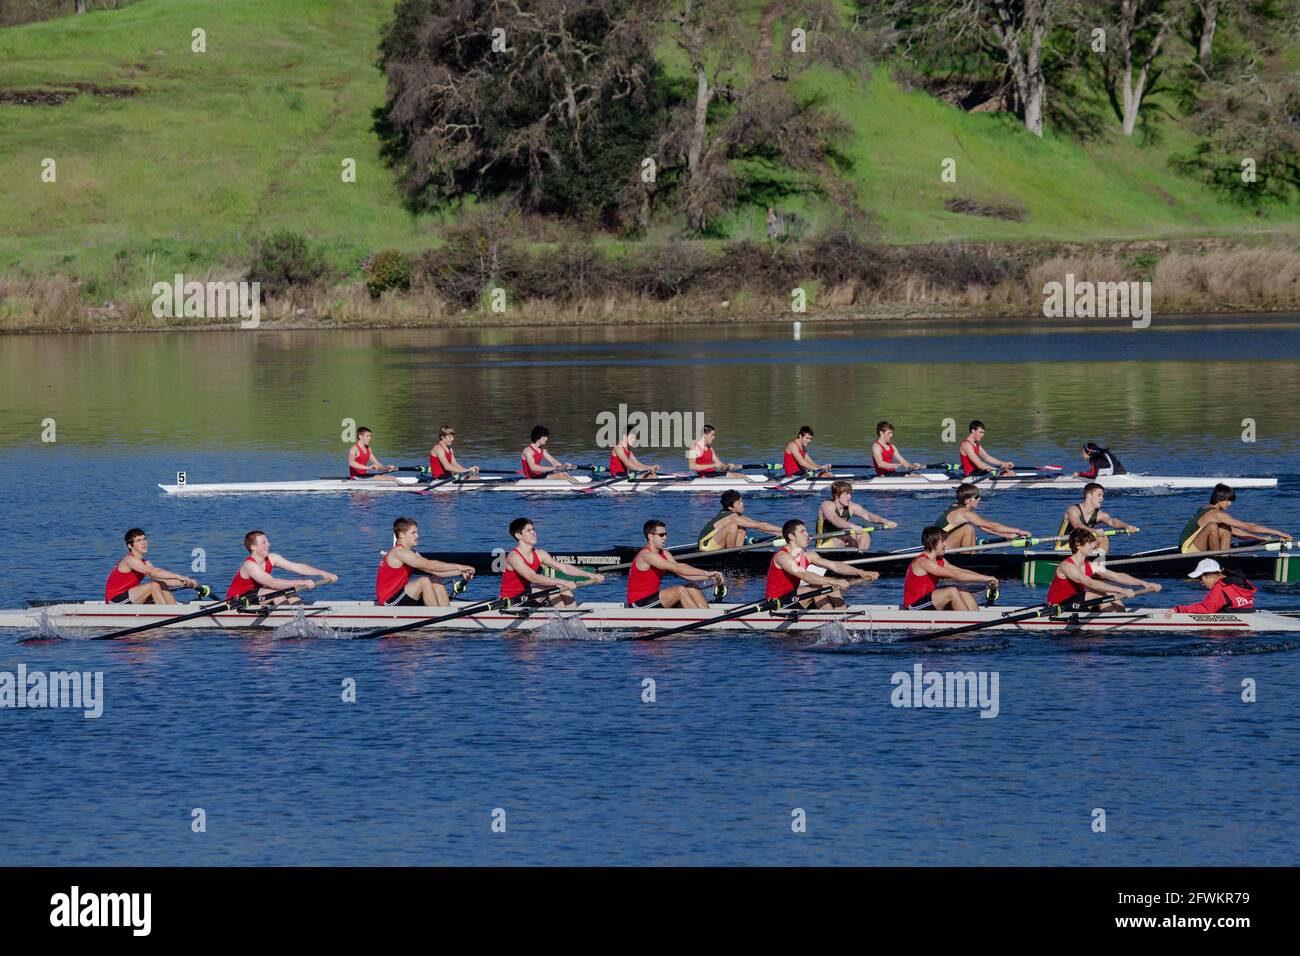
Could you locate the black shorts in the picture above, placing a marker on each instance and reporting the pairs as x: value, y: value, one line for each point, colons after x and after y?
x: 123, y: 598
x: 402, y: 599
x: 925, y: 604
x: 1073, y: 604
x: 651, y: 601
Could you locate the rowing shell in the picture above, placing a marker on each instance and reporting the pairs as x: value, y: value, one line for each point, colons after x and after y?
x: 616, y: 617
x: 901, y: 483
x: 1031, y: 567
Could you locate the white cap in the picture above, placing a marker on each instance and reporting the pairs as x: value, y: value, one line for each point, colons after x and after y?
x: 1207, y: 566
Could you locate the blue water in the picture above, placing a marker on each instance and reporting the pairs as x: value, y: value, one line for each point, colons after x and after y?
x: 554, y: 732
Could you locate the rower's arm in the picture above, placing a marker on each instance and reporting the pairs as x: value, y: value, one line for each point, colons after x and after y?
x: 878, y: 457
x: 632, y: 463
x: 520, y: 568
x: 1103, y: 518
x: 900, y: 460
x: 786, y: 564
x: 449, y: 462
x: 1097, y: 583
x: 264, y: 580
x: 839, y: 567
x: 995, y: 527
x: 803, y: 460
x: 161, y: 575
x: 750, y: 524
x: 1127, y: 580
x: 952, y: 573
x: 693, y: 463
x: 1236, y: 524
x: 279, y: 561
x: 872, y: 517
x: 679, y: 569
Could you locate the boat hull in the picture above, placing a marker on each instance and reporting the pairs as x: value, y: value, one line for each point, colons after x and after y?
x: 916, y: 483
x: 350, y: 615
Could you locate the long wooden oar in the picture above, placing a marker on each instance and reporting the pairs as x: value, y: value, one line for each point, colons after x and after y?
x: 230, y: 604
x: 768, y: 604
x: 1040, y: 610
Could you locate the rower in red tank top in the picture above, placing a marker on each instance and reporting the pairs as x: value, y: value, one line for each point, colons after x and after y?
x: 974, y: 459
x: 396, y: 584
x: 532, y: 459
x: 622, y: 460
x: 652, y: 562
x: 702, y: 459
x: 538, y: 462
x: 257, y: 572
x: 796, y: 459
x: 887, y: 459
x: 442, y: 460
x: 522, y: 575
x: 362, y: 460
x: 919, y: 583
x: 241, y: 585
x: 1077, y: 579
x: 791, y: 569
x: 126, y: 584
x: 930, y: 580
x: 780, y: 583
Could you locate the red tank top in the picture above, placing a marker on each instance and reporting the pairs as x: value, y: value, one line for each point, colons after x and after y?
x: 887, y: 456
x: 512, y: 585
x: 616, y: 466
x: 241, y: 585
x: 706, y: 458
x: 119, y: 582
x: 918, y: 587
x: 1063, y: 589
x: 389, y: 580
x: 792, y: 467
x: 780, y: 583
x: 530, y: 466
x: 643, y: 584
x: 969, y: 467
x: 363, y: 458
x: 435, y: 465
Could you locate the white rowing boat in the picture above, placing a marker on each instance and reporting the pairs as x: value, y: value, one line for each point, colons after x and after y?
x: 345, y: 615
x: 917, y: 482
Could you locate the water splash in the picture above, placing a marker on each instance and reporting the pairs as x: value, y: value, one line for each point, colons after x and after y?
x: 303, y: 628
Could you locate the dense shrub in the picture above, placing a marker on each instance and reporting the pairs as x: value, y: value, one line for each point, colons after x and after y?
x: 283, y: 260
x: 389, y: 269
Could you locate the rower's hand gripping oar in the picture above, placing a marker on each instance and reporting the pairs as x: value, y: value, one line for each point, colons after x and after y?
x: 241, y: 603
x: 757, y: 607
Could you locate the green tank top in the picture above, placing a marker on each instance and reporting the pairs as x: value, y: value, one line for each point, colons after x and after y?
x: 844, y: 513
x: 710, y: 529
x: 1192, y: 528
x: 1064, y: 529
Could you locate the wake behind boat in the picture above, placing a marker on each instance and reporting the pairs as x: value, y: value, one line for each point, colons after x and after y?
x: 607, y: 617
x: 913, y: 482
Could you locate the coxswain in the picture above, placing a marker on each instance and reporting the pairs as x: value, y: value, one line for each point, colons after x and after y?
x: 442, y: 460
x: 974, y: 459
x: 1229, y: 591
x: 837, y: 514
x: 1212, y: 528
x: 923, y: 585
x: 887, y: 459
x: 523, y: 573
x: 537, y: 462
x: 652, y: 562
x: 1101, y: 462
x: 703, y: 460
x: 727, y: 528
x: 791, y: 571
x: 126, y: 582
x: 255, y: 576
x: 395, y: 583
x: 1087, y: 513
x: 623, y: 461
x: 796, y: 460
x: 362, y: 460
x: 959, y: 520
x: 1077, y: 575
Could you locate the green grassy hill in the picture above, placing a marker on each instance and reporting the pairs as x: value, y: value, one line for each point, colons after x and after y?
x: 202, y: 152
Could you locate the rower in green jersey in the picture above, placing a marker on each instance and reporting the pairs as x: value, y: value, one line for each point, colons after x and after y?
x: 1087, y: 513
x: 727, y: 528
x: 837, y: 514
x: 1212, y: 528
x: 959, y: 520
